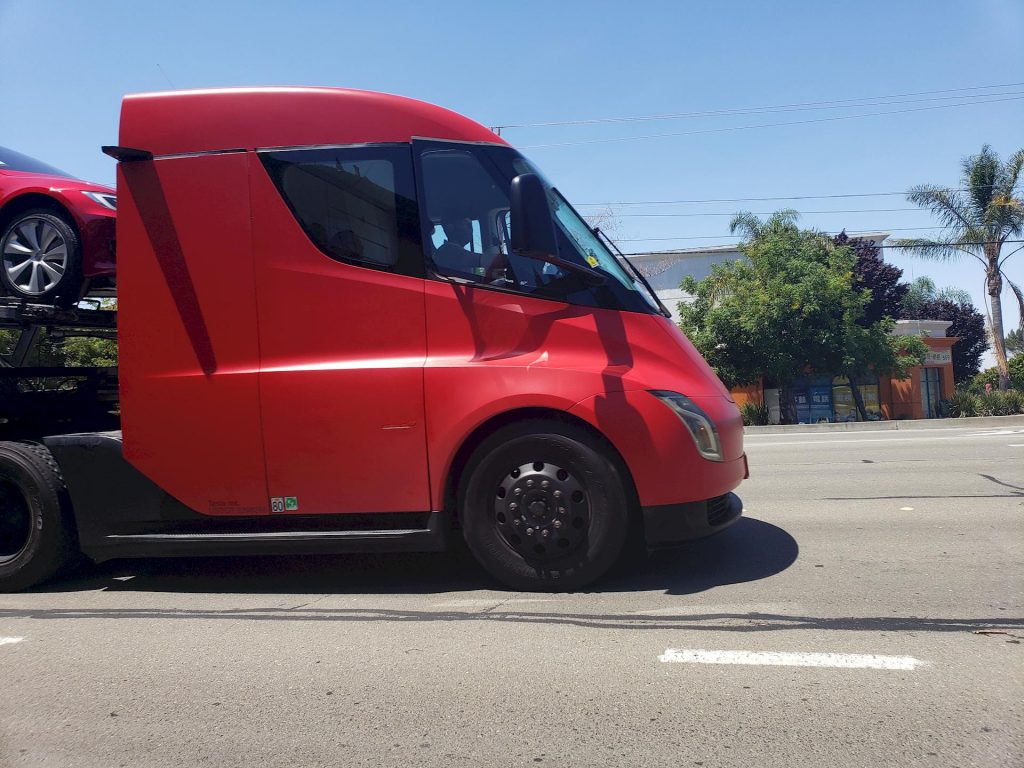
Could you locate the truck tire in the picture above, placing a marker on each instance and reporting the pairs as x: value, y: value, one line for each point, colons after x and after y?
x: 36, y: 539
x: 543, y: 507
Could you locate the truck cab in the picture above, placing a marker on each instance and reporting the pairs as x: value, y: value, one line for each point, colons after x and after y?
x: 352, y: 320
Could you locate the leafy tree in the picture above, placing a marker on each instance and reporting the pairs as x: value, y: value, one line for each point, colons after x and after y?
x: 978, y: 221
x: 871, y: 273
x: 921, y: 292
x: 1015, y: 341
x: 83, y: 351
x: 925, y: 302
x: 788, y: 310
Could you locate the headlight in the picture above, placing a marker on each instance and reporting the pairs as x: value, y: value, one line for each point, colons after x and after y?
x: 701, y: 428
x: 105, y: 199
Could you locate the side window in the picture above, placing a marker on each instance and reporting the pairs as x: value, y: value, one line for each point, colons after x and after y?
x: 357, y: 204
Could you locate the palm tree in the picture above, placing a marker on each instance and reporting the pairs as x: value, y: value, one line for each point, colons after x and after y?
x: 978, y: 219
x: 753, y: 228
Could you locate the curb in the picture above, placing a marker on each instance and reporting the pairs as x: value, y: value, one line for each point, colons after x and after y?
x: 973, y: 422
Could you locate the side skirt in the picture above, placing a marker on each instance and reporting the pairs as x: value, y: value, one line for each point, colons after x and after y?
x: 119, y: 512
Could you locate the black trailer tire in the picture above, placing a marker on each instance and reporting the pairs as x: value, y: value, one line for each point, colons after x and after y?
x: 543, y: 506
x: 36, y: 537
x: 66, y: 256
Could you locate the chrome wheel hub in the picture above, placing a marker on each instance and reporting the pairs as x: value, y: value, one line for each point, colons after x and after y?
x: 35, y: 256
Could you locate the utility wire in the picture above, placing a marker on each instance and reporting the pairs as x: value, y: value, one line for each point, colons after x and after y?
x: 732, y: 245
x: 712, y: 237
x: 726, y: 129
x: 865, y: 101
x: 747, y: 199
x: 757, y: 213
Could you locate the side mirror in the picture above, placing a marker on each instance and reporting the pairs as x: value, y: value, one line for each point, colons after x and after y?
x: 533, y: 230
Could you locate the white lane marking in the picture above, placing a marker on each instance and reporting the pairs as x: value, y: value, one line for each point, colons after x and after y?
x: 10, y: 640
x: 779, y: 659
x: 838, y: 442
x: 1015, y: 445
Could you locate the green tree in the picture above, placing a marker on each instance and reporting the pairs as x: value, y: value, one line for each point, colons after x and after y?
x: 977, y: 221
x: 1015, y: 341
x: 790, y: 309
x: 926, y: 302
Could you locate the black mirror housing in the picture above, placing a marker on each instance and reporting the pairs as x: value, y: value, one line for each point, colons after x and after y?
x: 533, y: 229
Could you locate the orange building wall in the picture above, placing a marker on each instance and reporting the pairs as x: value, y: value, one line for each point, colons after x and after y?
x: 905, y: 396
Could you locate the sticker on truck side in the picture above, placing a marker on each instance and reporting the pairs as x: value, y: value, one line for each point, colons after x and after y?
x: 280, y: 504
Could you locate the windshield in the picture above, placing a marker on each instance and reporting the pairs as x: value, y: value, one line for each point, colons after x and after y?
x: 465, y: 201
x: 588, y: 245
x: 15, y: 161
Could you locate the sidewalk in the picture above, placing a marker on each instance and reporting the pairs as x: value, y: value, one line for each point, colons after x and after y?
x: 977, y: 422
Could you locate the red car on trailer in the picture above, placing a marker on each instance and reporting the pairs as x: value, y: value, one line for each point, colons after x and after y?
x: 56, y: 231
x: 349, y: 321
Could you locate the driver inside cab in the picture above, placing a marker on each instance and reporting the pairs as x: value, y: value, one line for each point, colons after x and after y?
x: 456, y: 256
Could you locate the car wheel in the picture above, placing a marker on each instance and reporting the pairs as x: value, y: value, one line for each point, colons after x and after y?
x: 36, y: 540
x: 543, y: 507
x: 41, y: 256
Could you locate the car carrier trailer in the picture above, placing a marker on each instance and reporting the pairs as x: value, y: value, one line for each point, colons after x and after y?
x: 350, y: 321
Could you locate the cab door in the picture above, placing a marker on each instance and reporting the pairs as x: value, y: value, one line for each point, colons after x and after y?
x: 339, y: 268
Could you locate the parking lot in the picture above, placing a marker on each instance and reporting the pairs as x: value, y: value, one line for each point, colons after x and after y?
x: 867, y: 610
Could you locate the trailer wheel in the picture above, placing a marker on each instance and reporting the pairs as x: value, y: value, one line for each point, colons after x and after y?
x: 36, y: 540
x: 543, y: 507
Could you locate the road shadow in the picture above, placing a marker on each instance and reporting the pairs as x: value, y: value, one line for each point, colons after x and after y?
x: 748, y: 551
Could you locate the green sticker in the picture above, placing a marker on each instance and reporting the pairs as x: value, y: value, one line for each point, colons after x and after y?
x: 291, y: 503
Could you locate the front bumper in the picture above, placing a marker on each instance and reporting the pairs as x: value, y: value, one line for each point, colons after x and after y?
x: 670, y: 524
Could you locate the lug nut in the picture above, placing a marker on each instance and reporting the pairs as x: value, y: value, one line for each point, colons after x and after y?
x: 558, y: 523
x: 529, y: 531
x: 558, y: 494
x: 529, y: 483
x: 513, y: 507
x: 545, y: 483
x: 545, y: 534
x: 517, y: 491
x: 516, y: 522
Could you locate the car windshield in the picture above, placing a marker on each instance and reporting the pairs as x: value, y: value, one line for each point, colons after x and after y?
x: 15, y: 161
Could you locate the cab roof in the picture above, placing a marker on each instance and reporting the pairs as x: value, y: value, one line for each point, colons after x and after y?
x: 184, y: 122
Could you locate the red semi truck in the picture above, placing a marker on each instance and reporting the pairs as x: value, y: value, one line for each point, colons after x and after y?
x: 354, y: 321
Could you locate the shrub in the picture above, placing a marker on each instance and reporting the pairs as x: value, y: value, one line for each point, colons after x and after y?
x: 755, y: 414
x: 1014, y: 401
x: 962, y: 403
x: 997, y: 403
x: 991, y: 376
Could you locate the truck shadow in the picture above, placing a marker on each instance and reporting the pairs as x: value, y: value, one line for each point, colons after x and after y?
x: 750, y: 550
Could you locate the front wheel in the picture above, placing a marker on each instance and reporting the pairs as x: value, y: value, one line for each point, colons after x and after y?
x: 544, y: 507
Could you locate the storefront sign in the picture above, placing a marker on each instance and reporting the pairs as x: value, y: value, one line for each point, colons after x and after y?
x: 938, y: 357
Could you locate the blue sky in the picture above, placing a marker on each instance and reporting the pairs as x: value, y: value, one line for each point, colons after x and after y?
x: 65, y: 65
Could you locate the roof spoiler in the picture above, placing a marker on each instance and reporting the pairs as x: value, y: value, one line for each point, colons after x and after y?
x: 127, y: 154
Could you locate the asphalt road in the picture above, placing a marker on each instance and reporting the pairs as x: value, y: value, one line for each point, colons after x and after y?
x: 896, y: 555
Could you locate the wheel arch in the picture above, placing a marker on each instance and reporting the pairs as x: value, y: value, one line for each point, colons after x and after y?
x: 29, y: 200
x: 460, y: 460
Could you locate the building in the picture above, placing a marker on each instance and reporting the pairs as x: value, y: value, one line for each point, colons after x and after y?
x: 820, y: 398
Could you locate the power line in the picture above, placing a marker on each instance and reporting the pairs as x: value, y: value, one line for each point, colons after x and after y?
x: 726, y: 129
x: 864, y: 101
x: 748, y: 199
x: 936, y: 245
x: 711, y: 237
x: 760, y: 213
